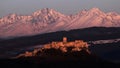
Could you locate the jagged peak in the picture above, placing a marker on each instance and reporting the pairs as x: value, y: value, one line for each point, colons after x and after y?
x: 46, y: 11
x: 9, y: 17
x: 82, y: 12
x: 112, y: 13
x: 90, y: 11
x: 95, y: 9
x: 12, y: 15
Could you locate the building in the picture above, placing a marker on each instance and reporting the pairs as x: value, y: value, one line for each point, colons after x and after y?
x: 64, y: 46
x: 64, y: 39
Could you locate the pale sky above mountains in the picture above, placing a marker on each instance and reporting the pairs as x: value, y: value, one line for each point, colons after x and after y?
x: 63, y: 6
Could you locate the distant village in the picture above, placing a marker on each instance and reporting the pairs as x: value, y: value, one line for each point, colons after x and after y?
x: 63, y: 46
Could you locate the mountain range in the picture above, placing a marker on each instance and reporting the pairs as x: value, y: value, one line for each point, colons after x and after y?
x: 48, y: 20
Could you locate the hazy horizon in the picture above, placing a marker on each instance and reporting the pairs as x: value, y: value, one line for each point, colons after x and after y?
x: 63, y: 6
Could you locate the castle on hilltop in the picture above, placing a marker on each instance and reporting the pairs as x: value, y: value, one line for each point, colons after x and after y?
x: 76, y: 45
x: 64, y: 46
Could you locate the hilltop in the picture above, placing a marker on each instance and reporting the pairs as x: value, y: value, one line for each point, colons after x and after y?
x: 58, y: 48
x: 59, y: 54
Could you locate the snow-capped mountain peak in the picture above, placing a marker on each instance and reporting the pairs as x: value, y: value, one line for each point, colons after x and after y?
x: 46, y: 11
x: 50, y: 20
x: 95, y: 11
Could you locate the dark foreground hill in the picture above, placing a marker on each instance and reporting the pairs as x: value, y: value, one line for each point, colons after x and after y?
x: 88, y: 34
x: 80, y: 59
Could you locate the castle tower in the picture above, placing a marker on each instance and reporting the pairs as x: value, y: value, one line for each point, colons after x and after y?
x: 64, y: 39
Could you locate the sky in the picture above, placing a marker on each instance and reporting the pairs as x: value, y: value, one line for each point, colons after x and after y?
x: 64, y: 6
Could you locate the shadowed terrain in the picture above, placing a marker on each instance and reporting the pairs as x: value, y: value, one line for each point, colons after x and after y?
x: 57, y: 59
x: 103, y: 51
x: 88, y: 34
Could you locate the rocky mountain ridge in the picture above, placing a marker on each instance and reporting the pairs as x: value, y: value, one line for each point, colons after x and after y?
x: 49, y: 20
